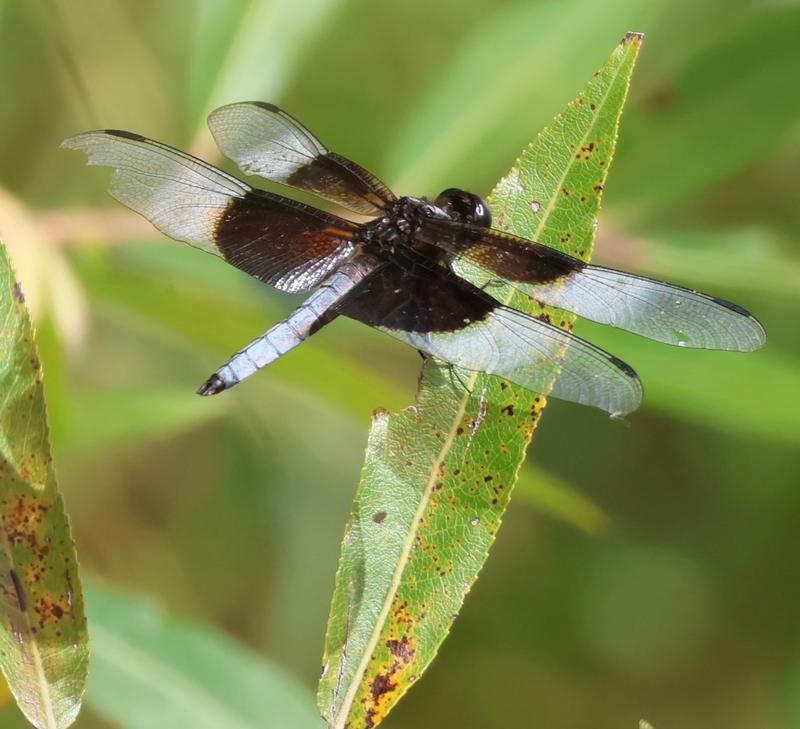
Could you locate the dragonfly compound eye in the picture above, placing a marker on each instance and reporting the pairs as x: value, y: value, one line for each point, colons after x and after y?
x: 465, y: 207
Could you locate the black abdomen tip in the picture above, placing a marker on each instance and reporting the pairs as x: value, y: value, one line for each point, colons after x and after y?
x: 213, y: 385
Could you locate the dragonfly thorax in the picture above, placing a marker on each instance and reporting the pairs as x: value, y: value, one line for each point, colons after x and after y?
x: 401, y: 219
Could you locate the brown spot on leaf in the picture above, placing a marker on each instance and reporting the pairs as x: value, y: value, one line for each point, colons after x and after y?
x: 378, y: 517
x: 20, y: 591
x: 20, y: 518
x: 34, y: 573
x: 49, y: 610
x: 401, y: 650
x: 382, y: 684
x: 585, y: 152
x: 18, y: 293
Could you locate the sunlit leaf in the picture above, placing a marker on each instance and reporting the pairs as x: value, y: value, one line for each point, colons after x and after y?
x: 43, y: 641
x: 152, y: 670
x: 438, y: 475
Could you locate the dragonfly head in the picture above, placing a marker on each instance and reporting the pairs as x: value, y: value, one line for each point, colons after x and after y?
x: 465, y: 207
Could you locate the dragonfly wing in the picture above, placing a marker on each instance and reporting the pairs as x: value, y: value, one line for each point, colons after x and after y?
x: 279, y: 241
x: 263, y: 140
x: 645, y: 306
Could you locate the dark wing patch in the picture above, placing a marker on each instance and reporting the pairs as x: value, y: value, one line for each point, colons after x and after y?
x: 515, y: 259
x: 284, y: 243
x: 413, y: 300
x: 268, y: 142
x: 645, y: 306
x: 442, y: 315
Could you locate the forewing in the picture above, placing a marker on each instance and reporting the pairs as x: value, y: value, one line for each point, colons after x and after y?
x: 279, y: 241
x: 265, y: 141
x: 438, y: 313
x: 645, y: 306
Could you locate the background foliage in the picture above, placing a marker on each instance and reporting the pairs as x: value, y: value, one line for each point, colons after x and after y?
x: 649, y: 573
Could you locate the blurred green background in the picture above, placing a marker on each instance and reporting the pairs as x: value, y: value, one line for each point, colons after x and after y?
x: 647, y: 571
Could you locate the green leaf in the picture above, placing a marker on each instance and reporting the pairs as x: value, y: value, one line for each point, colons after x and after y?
x: 153, y: 670
x: 438, y: 475
x: 43, y: 641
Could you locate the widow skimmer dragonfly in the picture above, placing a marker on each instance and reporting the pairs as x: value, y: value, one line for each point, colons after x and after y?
x: 398, y: 270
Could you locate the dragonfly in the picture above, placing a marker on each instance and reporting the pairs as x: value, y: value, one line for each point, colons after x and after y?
x: 395, y: 263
